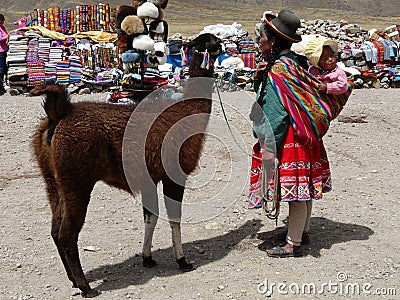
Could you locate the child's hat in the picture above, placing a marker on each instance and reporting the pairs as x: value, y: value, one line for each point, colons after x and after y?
x: 314, y: 49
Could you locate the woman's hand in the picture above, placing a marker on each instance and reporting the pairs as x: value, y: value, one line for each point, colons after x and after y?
x: 260, y: 69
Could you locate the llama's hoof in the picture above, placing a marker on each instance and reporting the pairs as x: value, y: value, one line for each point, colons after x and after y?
x: 184, y: 266
x: 149, y: 262
x: 92, y: 293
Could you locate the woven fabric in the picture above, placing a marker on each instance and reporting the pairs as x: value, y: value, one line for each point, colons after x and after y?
x: 310, y: 110
x: 249, y: 59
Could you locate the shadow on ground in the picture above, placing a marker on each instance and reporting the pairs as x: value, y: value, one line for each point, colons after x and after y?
x: 202, y: 252
x: 323, y: 233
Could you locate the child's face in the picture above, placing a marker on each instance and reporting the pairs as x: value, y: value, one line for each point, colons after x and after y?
x: 327, y: 61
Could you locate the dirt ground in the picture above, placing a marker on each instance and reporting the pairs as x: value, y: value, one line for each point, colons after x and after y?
x: 354, y: 230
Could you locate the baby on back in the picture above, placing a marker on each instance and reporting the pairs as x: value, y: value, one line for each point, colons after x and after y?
x: 321, y: 52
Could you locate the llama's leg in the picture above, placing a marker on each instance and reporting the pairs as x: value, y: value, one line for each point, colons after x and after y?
x: 56, y: 222
x: 150, y: 213
x: 74, y: 207
x: 173, y: 195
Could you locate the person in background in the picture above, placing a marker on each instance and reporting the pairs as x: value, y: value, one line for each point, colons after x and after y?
x: 3, y: 53
x: 321, y: 52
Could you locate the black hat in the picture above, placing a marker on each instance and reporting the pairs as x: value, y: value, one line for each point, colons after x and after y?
x: 286, y: 25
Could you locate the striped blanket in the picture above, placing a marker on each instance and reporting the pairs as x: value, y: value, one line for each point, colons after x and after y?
x: 310, y: 111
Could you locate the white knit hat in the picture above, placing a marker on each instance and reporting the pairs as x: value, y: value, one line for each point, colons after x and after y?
x: 149, y: 10
x: 143, y: 42
x: 314, y: 49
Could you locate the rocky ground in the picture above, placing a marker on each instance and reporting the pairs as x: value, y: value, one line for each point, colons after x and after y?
x: 354, y: 232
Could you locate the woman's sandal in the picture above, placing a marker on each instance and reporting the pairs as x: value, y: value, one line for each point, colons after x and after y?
x: 305, y: 237
x: 279, y: 251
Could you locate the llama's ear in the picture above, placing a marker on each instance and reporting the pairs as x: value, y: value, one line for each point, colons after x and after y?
x: 122, y: 12
x: 163, y: 4
x: 159, y: 3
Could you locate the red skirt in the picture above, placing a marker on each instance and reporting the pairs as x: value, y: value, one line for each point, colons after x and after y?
x: 304, y: 172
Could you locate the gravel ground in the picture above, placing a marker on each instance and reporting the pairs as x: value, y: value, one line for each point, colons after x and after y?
x: 354, y: 249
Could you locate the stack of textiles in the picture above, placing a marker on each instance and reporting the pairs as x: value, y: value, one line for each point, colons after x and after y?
x: 50, y: 72
x: 35, y: 65
x: 75, y: 69
x: 36, y: 73
x: 63, y: 71
x: 44, y: 49
x: 247, y: 52
x: 152, y: 76
x: 55, y: 54
x: 16, y: 59
x: 33, y: 48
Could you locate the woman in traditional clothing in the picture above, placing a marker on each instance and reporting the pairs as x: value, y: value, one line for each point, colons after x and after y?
x: 304, y: 173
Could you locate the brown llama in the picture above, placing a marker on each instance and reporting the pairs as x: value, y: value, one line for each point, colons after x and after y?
x: 78, y: 144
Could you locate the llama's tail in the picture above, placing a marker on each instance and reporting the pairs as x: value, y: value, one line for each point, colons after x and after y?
x: 57, y: 104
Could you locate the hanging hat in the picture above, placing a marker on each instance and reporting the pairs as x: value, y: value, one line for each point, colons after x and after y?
x: 143, y: 42
x: 314, y: 49
x: 148, y: 10
x: 286, y: 25
x: 132, y: 25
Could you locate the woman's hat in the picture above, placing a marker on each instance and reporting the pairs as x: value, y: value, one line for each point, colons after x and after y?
x: 286, y: 25
x: 314, y: 49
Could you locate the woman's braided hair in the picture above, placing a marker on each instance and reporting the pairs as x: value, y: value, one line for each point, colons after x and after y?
x: 280, y: 44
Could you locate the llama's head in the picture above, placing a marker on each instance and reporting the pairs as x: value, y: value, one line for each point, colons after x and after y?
x: 206, y: 48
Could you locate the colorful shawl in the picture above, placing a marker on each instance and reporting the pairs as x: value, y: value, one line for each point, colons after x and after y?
x: 310, y: 111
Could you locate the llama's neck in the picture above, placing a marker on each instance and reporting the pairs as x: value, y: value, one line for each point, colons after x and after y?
x: 196, y: 71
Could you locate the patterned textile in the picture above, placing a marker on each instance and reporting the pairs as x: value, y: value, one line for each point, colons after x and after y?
x: 249, y: 59
x: 36, y: 73
x: 304, y: 172
x: 247, y: 46
x: 310, y: 110
x: 255, y: 196
x: 381, y: 50
x: 231, y: 49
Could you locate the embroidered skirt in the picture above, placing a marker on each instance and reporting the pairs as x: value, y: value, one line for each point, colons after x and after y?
x: 304, y: 172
